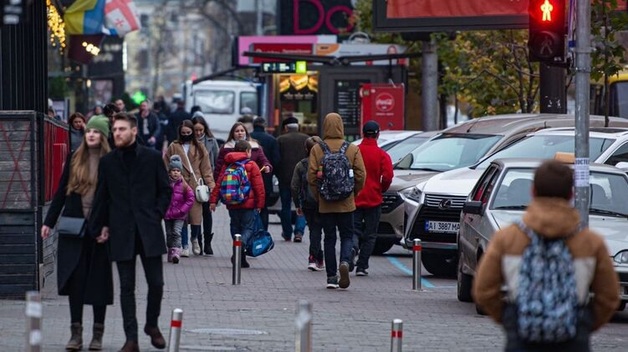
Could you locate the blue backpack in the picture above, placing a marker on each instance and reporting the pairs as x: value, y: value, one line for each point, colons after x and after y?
x: 235, y: 185
x: 547, y: 299
x: 337, y: 182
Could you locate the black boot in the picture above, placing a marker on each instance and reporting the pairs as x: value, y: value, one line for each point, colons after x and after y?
x: 208, y: 244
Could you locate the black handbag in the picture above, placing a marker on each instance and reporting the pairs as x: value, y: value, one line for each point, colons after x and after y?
x: 69, y: 227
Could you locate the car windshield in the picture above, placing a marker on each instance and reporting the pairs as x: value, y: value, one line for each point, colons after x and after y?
x: 546, y: 146
x: 608, y: 192
x: 402, y: 148
x: 448, y: 151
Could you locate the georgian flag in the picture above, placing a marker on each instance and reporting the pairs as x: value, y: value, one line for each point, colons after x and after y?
x: 121, y: 17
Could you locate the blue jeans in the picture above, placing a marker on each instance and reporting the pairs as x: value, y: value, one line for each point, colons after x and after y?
x: 185, y: 239
x: 344, y: 223
x: 286, y: 214
x: 242, y: 222
x: 365, y: 225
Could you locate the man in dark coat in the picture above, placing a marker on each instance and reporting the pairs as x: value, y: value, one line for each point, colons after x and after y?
x: 271, y: 150
x: 291, y: 151
x: 132, y: 197
x: 148, y: 126
x: 174, y: 121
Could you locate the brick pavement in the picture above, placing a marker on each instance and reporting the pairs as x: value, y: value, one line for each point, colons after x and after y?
x: 259, y: 314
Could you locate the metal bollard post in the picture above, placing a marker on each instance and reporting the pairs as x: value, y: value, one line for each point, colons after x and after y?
x: 33, y: 321
x: 304, y: 327
x: 416, y: 265
x: 396, y: 335
x: 237, y: 259
x: 175, y: 330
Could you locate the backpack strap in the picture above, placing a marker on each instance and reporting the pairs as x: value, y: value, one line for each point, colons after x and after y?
x: 343, y: 148
x: 325, y: 147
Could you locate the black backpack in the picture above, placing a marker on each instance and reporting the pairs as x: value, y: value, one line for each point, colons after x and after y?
x: 337, y: 182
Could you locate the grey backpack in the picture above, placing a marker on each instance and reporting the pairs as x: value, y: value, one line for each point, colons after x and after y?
x: 547, y: 299
x: 337, y: 182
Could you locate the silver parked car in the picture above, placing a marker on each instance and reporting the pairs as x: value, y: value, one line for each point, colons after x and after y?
x: 433, y: 207
x: 501, y: 196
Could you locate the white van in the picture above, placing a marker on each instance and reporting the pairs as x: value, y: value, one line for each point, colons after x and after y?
x: 222, y: 102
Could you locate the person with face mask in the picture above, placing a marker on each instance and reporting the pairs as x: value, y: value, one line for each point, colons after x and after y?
x: 196, y: 168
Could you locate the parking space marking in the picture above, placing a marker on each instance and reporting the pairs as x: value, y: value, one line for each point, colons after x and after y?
x: 394, y: 261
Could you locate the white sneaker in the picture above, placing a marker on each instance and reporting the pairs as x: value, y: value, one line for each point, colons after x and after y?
x: 196, y: 249
x: 312, y: 266
x: 185, y: 252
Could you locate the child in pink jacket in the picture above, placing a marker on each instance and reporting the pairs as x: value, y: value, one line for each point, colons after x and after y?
x: 180, y: 205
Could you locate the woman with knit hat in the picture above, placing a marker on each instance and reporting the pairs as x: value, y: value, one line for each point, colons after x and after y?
x: 83, y: 268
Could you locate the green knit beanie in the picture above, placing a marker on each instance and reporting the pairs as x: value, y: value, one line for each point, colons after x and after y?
x: 99, y: 123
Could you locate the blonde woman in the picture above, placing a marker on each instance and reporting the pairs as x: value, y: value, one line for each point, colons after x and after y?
x: 83, y: 268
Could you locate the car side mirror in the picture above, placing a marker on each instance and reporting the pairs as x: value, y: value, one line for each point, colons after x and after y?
x: 473, y: 207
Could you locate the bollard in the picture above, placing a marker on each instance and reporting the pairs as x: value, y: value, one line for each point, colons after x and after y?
x: 33, y: 321
x: 304, y: 327
x: 237, y: 259
x: 416, y: 265
x: 396, y: 335
x: 175, y: 330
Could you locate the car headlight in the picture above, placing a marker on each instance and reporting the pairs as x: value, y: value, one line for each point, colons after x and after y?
x: 621, y: 257
x: 413, y: 193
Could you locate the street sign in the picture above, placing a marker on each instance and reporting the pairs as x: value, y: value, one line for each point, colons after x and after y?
x: 284, y: 67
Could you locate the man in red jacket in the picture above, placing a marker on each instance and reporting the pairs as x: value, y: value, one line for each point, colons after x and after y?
x: 379, y: 174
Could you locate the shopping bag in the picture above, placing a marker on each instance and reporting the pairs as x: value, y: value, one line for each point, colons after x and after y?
x: 261, y: 241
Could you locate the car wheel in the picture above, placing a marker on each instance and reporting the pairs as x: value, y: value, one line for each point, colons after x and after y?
x: 465, y: 281
x: 440, y: 264
x: 383, y: 245
x: 622, y: 306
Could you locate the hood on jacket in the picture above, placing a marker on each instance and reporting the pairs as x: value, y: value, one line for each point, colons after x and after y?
x: 232, y: 157
x: 333, y: 127
x: 552, y: 217
x: 231, y: 143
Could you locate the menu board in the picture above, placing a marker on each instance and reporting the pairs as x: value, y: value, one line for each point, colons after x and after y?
x: 347, y: 101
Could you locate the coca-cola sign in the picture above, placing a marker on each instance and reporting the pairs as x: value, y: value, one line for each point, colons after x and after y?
x: 384, y: 102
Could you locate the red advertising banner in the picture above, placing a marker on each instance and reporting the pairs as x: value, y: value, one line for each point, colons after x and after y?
x: 457, y: 8
x: 383, y: 103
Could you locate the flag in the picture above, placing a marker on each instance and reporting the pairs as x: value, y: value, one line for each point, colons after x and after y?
x: 121, y: 17
x: 85, y: 17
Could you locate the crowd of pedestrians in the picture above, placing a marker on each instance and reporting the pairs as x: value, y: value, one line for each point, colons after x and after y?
x: 128, y: 172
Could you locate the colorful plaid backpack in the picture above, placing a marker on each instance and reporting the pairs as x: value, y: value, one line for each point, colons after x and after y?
x: 235, y: 185
x: 547, y: 299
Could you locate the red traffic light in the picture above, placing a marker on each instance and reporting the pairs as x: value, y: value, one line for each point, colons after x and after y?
x: 547, y: 30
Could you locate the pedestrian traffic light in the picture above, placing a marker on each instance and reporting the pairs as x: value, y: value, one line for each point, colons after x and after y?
x: 547, y: 30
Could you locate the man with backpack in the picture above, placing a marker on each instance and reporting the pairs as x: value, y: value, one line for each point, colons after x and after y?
x: 379, y: 175
x: 559, y: 278
x: 336, y: 174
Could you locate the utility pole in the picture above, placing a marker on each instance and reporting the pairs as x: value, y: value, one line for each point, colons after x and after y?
x: 583, y: 76
x: 429, y: 84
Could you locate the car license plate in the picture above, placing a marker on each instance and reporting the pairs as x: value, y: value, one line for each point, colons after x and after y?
x: 442, y: 226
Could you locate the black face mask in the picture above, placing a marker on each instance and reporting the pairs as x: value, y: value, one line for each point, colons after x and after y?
x: 187, y: 138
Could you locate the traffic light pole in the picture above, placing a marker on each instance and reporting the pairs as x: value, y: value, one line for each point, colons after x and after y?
x: 583, y: 75
x: 552, y: 89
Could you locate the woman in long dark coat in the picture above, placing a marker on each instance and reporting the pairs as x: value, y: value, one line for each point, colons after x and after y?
x: 83, y: 266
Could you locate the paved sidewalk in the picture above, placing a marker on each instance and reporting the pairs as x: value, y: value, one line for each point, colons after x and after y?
x: 259, y: 314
